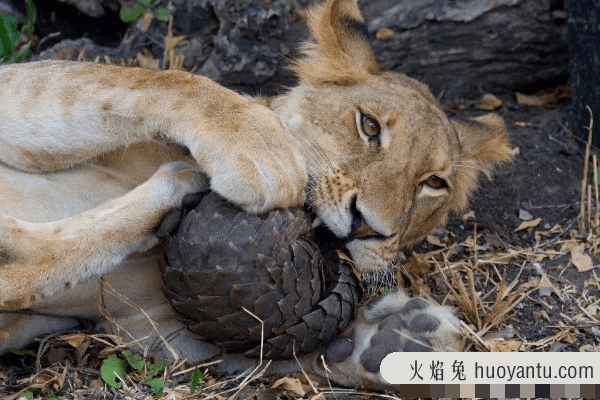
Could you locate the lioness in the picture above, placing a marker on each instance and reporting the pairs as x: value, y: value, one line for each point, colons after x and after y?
x: 88, y: 170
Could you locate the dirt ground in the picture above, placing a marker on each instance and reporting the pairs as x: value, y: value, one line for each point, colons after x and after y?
x: 544, y: 180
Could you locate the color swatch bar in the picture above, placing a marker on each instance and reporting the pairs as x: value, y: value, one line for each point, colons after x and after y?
x: 499, y: 390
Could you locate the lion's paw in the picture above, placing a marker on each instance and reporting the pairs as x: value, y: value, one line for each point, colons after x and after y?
x: 396, y: 323
x: 175, y: 186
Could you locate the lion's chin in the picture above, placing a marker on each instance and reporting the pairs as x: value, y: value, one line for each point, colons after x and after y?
x: 370, y: 254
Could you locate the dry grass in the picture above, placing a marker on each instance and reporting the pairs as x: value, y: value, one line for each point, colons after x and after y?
x: 476, y: 284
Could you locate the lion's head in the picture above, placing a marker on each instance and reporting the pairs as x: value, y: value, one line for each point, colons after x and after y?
x: 386, y: 164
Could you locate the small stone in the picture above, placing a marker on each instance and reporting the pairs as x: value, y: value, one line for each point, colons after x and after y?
x: 525, y: 215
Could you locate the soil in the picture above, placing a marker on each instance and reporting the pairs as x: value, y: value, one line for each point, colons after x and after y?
x: 544, y: 179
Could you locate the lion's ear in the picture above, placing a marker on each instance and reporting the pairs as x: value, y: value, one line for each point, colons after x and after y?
x: 484, y: 145
x: 341, y: 52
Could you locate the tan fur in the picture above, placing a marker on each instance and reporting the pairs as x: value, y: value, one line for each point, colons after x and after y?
x: 82, y: 144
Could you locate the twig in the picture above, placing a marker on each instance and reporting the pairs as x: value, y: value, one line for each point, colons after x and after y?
x: 474, y: 335
x: 196, y: 367
x: 310, y: 382
x: 595, y: 184
x: 589, y: 207
x: 588, y: 145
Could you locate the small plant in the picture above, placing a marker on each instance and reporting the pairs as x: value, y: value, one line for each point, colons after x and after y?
x: 196, y: 377
x: 156, y: 383
x: 110, y: 368
x: 16, y: 44
x: 288, y: 8
x: 28, y: 394
x: 113, y: 366
x: 128, y: 14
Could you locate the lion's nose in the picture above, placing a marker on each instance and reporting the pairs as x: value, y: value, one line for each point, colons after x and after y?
x: 359, y: 228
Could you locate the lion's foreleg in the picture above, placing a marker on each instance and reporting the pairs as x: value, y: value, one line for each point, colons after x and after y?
x: 40, y: 259
x: 69, y: 113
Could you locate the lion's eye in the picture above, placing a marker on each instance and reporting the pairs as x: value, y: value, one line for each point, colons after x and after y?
x: 370, y: 127
x: 436, y: 182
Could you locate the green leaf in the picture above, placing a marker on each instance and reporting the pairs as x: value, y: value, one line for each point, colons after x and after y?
x: 128, y: 14
x: 135, y: 360
x: 162, y: 14
x: 157, y: 386
x: 111, y: 366
x: 8, y: 34
x: 31, y: 17
x: 52, y: 397
x: 28, y: 394
x: 197, y: 376
x: 156, y: 368
x: 288, y: 8
x: 20, y: 352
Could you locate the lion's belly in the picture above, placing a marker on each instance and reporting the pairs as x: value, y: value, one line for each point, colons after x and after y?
x: 53, y: 196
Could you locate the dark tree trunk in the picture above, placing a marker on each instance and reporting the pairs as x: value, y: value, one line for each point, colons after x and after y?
x: 464, y: 47
x: 584, y: 40
x: 459, y: 47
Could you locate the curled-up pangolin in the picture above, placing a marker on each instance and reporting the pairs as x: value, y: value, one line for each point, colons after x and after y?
x: 221, y: 260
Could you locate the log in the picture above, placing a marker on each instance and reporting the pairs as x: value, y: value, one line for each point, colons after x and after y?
x: 584, y: 31
x: 460, y: 48
x: 466, y: 47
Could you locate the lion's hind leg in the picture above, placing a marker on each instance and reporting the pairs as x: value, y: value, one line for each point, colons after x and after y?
x: 396, y: 323
x: 40, y: 259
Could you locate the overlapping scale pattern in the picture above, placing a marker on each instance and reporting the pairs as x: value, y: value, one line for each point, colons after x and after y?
x: 221, y: 260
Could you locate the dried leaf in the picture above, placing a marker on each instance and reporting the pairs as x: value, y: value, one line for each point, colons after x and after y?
x: 144, y: 22
x: 384, y: 33
x: 544, y: 98
x: 74, y: 339
x: 146, y: 60
x: 570, y: 338
x: 528, y: 224
x: 434, y: 240
x: 515, y: 151
x: 468, y: 216
x: 532, y: 283
x: 418, y: 265
x: 522, y: 124
x: 489, y: 102
x: 500, y: 345
x: 541, y: 282
x: 292, y: 385
x: 592, y: 281
x: 586, y: 348
x: 568, y: 245
x: 582, y: 261
x: 343, y: 256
